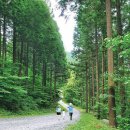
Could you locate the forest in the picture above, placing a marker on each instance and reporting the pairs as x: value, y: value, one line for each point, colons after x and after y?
x: 34, y: 67
x: 100, y: 76
x: 32, y: 58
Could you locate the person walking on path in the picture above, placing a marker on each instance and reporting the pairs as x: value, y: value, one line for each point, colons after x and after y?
x: 58, y: 111
x: 70, y: 108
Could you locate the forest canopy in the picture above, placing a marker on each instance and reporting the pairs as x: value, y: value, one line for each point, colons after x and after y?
x: 32, y: 57
x: 101, y: 73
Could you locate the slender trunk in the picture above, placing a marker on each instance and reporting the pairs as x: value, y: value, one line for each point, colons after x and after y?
x: 51, y: 81
x: 111, y: 98
x: 90, y: 95
x: 26, y: 64
x: 93, y: 88
x: 55, y: 84
x: 4, y: 39
x: 0, y: 42
x: 34, y: 67
x: 97, y: 73
x: 18, y: 55
x: 26, y: 69
x: 103, y: 67
x: 81, y: 96
x: 0, y: 37
x: 21, y: 59
x: 121, y: 60
x: 123, y: 99
x: 14, y: 43
x: 87, y: 88
x: 103, y: 74
x: 119, y: 24
x: 44, y: 75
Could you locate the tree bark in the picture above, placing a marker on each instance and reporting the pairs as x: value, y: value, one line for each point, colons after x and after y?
x: 93, y: 87
x: 27, y: 52
x: 0, y: 37
x: 111, y: 98
x: 103, y: 67
x: 44, y: 74
x: 119, y: 23
x: 55, y: 83
x: 90, y: 95
x: 21, y: 58
x: 1, y: 42
x: 51, y: 82
x: 14, y: 43
x: 4, y: 39
x: 34, y: 67
x: 121, y: 60
x: 97, y: 73
x: 87, y: 85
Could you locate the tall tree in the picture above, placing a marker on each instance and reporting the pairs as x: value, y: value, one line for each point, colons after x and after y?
x: 121, y: 60
x: 111, y: 98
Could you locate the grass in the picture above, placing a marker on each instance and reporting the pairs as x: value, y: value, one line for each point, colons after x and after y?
x: 8, y: 114
x: 89, y: 122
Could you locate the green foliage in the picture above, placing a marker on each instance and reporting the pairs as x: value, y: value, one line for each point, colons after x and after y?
x: 71, y: 91
x: 8, y: 114
x: 124, y: 123
x: 88, y: 122
x: 42, y: 99
x: 34, y: 56
x: 14, y: 98
x: 120, y: 41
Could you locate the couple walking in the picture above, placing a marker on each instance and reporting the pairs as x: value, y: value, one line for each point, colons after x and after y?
x: 70, y: 109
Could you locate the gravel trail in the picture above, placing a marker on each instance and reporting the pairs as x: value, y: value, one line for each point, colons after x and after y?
x: 48, y: 122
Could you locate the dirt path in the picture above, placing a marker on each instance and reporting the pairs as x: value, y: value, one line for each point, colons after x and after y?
x: 49, y: 122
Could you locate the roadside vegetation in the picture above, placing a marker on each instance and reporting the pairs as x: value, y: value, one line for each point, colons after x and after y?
x: 8, y: 114
x: 89, y: 122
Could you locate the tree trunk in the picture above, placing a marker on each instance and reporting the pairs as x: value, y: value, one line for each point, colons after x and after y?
x: 0, y: 37
x: 93, y: 87
x: 87, y: 85
x: 119, y: 23
x: 55, y: 84
x: 14, y: 43
x: 103, y: 67
x: 0, y: 42
x: 121, y: 60
x: 27, y: 51
x: 89, y: 95
x: 34, y: 67
x: 51, y: 82
x: 4, y: 39
x: 97, y: 73
x: 21, y: 59
x: 111, y: 98
x: 44, y: 75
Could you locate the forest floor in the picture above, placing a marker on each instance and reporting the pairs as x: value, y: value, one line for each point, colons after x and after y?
x: 46, y: 122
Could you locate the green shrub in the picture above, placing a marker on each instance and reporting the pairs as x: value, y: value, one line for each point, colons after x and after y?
x: 42, y: 99
x: 123, y: 123
x: 15, y: 98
